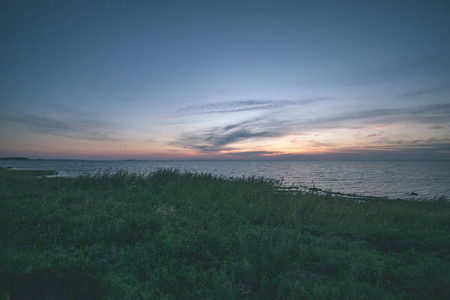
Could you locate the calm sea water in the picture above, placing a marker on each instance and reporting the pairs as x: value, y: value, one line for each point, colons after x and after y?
x: 393, y: 179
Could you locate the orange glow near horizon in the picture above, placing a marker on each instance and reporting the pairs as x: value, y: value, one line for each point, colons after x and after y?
x: 313, y: 144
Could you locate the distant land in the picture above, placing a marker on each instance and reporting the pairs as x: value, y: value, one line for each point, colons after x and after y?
x: 14, y: 158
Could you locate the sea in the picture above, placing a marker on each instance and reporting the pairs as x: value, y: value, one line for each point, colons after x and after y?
x: 391, y: 179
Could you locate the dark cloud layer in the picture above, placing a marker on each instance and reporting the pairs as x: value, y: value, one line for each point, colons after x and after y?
x: 220, y: 139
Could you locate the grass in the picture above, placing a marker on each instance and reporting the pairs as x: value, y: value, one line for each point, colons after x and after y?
x: 172, y: 235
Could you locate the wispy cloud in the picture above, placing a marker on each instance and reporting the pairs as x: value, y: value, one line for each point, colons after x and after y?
x: 433, y: 113
x: 79, y: 128
x: 388, y: 149
x: 222, y: 138
x: 430, y: 145
x: 433, y: 148
x: 246, y: 105
x: 239, y: 135
x: 251, y: 154
x: 219, y: 139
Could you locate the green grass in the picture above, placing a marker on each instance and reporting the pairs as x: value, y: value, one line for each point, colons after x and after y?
x: 172, y: 235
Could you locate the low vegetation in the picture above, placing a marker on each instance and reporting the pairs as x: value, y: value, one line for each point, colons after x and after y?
x: 172, y: 235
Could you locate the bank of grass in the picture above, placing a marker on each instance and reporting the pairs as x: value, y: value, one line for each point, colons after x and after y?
x: 171, y: 235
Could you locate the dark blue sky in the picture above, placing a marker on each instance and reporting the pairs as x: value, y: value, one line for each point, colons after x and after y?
x: 225, y: 79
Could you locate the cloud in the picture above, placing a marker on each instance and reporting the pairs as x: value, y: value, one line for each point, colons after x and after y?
x: 251, y: 154
x: 319, y: 144
x: 78, y: 128
x: 375, y: 134
x: 422, y: 114
x: 222, y: 138
x: 246, y: 105
x: 436, y: 145
x: 432, y: 148
x: 242, y: 134
x: 232, y: 126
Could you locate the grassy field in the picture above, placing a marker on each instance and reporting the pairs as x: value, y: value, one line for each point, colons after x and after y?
x: 171, y: 235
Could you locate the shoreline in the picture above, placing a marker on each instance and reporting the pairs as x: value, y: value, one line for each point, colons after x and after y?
x: 283, y: 188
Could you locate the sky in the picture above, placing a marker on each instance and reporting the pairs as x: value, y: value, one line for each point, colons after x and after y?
x: 225, y: 79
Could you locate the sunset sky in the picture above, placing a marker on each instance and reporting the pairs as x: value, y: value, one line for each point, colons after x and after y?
x: 225, y: 79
